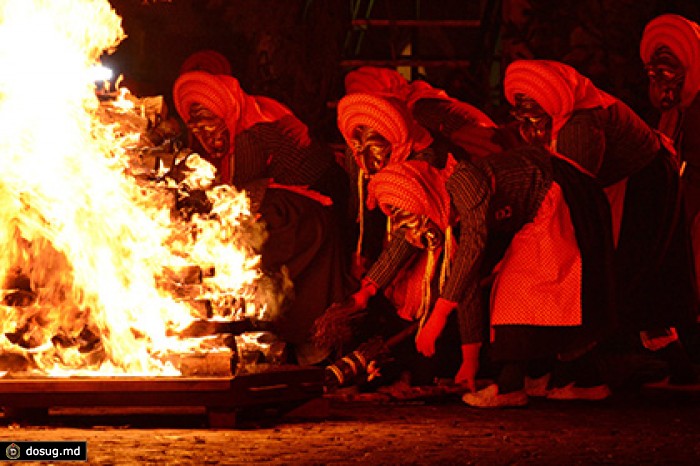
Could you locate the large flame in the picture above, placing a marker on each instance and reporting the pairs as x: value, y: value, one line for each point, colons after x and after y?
x: 90, y: 239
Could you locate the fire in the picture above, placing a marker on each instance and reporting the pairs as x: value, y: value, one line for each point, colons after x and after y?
x: 87, y: 241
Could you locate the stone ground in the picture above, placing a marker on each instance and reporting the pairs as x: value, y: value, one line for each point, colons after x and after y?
x: 635, y: 426
x: 630, y: 428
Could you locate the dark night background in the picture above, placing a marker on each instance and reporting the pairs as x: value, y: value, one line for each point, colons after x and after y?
x: 297, y: 50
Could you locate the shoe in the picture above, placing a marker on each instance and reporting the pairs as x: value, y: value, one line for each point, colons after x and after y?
x: 490, y: 398
x: 671, y: 385
x: 572, y: 392
x: 537, y: 387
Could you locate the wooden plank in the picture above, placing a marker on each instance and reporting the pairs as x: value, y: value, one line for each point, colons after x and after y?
x: 112, y: 384
x: 247, y: 390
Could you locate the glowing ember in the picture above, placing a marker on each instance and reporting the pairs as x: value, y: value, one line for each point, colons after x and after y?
x: 86, y: 245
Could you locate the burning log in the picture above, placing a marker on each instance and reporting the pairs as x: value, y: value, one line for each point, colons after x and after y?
x: 29, y: 340
x: 259, y: 352
x: 89, y: 217
x: 192, y: 201
x: 246, y: 353
x: 206, y: 364
x: 201, y: 328
x: 18, y: 297
x: 17, y: 289
x: 183, y: 275
x: 12, y: 362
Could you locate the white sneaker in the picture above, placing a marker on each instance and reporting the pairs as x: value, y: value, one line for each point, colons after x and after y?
x: 489, y: 398
x: 537, y: 387
x: 572, y: 392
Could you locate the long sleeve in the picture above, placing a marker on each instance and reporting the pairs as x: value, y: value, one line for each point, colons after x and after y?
x: 391, y: 260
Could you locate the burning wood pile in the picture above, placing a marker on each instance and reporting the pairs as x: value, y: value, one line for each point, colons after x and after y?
x: 120, y: 256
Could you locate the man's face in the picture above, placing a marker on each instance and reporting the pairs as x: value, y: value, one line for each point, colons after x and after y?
x: 371, y: 149
x: 666, y: 78
x: 534, y: 123
x: 419, y: 230
x: 210, y: 130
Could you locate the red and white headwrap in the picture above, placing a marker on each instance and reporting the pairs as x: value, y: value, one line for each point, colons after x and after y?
x: 682, y: 37
x: 417, y: 187
x: 219, y: 94
x: 223, y: 96
x: 386, y: 115
x: 210, y: 61
x: 558, y: 88
x: 413, y: 186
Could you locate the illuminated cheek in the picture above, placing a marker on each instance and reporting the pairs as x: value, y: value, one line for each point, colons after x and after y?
x: 528, y: 133
x: 413, y: 237
x: 372, y: 162
x: 534, y: 134
x: 375, y: 164
x: 432, y: 238
x: 215, y: 144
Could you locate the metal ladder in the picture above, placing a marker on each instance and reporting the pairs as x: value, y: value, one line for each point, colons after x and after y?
x: 400, y: 24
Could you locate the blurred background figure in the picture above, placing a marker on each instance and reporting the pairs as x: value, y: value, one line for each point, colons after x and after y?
x: 670, y: 49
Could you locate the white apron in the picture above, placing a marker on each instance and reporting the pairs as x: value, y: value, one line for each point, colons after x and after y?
x: 538, y: 281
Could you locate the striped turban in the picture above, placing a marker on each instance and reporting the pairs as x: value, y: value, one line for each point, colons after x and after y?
x: 223, y: 96
x: 682, y: 37
x: 217, y: 93
x: 558, y: 88
x: 389, y: 117
x: 413, y: 186
x: 376, y: 80
x: 210, y: 61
